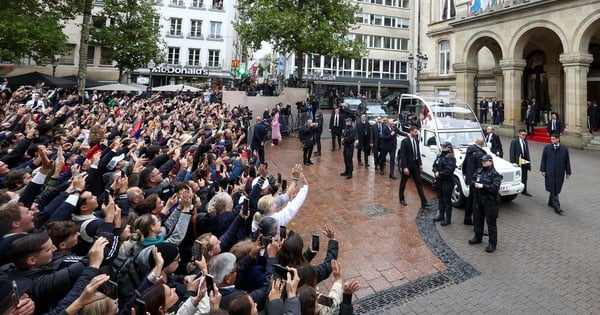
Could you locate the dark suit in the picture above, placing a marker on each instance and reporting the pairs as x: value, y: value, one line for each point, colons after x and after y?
x: 495, y: 112
x: 555, y: 163
x: 530, y: 121
x: 259, y: 136
x: 376, y: 134
x: 483, y: 110
x: 496, y: 144
x: 348, y: 138
x: 555, y: 126
x: 387, y: 144
x: 336, y: 131
x: 364, y: 137
x: 411, y: 160
x: 517, y: 151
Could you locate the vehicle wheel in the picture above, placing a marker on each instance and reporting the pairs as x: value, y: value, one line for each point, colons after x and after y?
x: 458, y: 198
x: 508, y: 198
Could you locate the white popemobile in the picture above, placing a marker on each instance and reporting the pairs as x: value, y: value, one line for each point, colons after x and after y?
x: 444, y: 118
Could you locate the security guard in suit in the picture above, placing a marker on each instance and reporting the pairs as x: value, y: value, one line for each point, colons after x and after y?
x: 348, y: 138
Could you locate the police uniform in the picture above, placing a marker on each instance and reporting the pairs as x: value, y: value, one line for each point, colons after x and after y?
x: 485, y: 203
x: 348, y: 138
x: 443, y: 168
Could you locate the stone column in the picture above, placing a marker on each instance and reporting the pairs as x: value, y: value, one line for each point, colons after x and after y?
x: 555, y: 87
x: 499, y: 83
x: 513, y: 78
x: 576, y: 67
x: 465, y: 78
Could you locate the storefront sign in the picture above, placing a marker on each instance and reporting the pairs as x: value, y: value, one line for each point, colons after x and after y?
x: 180, y: 71
x: 319, y: 77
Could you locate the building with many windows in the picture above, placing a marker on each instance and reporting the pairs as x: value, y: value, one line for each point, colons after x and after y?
x: 515, y: 50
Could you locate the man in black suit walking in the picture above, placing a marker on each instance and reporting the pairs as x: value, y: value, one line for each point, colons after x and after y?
x: 530, y: 120
x: 364, y: 137
x: 555, y: 125
x: 387, y: 145
x: 492, y: 140
x: 411, y: 165
x: 259, y: 136
x: 519, y: 154
x: 335, y: 126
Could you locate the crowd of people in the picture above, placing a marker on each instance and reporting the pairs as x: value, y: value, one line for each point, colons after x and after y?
x: 151, y: 204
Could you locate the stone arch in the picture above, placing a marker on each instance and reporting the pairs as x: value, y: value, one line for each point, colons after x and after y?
x: 587, y: 32
x: 483, y: 39
x: 523, y: 38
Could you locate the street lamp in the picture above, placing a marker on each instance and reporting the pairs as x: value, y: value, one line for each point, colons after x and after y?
x: 55, y: 63
x: 418, y: 62
x: 151, y: 66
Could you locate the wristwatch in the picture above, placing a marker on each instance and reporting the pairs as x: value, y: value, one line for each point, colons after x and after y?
x: 75, y: 191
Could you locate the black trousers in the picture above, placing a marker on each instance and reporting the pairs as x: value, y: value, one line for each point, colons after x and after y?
x: 318, y: 142
x: 336, y: 133
x: 307, y: 153
x: 444, y: 190
x: 348, y: 151
x: 383, y: 154
x: 415, y: 173
x: 524, y: 171
x: 482, y: 212
x: 483, y: 116
x: 363, y: 149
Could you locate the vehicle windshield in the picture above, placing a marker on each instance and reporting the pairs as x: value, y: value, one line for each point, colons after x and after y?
x: 440, y: 112
x: 460, y: 139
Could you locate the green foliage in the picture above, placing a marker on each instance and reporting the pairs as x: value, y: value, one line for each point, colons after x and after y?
x: 34, y: 28
x: 132, y: 36
x: 300, y: 26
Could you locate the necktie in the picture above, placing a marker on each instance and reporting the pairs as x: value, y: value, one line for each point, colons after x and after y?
x: 555, y: 147
x: 336, y: 121
x: 35, y: 104
x: 416, y: 153
x: 380, y: 131
x: 553, y: 124
x: 524, y: 148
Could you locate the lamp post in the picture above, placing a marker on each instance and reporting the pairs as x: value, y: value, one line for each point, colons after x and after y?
x: 418, y: 62
x: 151, y: 66
x: 55, y: 63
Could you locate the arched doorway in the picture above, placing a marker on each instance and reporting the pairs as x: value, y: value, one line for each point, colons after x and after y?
x: 535, y: 83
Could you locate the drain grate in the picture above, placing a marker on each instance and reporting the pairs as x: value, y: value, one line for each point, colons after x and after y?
x: 374, y: 210
x: 457, y: 270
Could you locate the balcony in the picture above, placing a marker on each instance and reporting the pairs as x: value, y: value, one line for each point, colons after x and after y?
x: 174, y: 33
x: 466, y: 10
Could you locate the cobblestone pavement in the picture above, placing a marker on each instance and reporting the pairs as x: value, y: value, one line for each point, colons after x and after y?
x: 544, y: 263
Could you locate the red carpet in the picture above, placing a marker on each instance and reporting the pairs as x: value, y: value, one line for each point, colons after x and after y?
x: 540, y: 135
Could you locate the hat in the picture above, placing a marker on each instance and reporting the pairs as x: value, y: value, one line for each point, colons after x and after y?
x: 487, y: 157
x: 447, y: 144
x: 114, y: 161
x: 264, y: 185
x: 348, y: 119
x: 6, y: 290
x: 168, y: 251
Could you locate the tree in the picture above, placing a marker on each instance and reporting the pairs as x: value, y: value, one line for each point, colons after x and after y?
x: 300, y: 27
x: 132, y: 37
x: 34, y: 28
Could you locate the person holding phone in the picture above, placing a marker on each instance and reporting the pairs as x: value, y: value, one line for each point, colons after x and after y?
x: 291, y: 305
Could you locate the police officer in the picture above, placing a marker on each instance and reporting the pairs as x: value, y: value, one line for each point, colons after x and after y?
x: 348, y: 138
x: 486, y: 184
x: 443, y: 169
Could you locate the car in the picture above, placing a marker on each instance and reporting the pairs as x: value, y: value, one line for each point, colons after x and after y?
x: 445, y: 118
x: 372, y: 111
x: 388, y: 101
x: 353, y: 106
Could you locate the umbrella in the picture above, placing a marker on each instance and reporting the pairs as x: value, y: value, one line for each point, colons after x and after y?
x: 88, y: 82
x: 115, y: 87
x: 175, y: 88
x: 33, y: 77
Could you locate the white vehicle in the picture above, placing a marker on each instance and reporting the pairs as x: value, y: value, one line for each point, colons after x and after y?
x: 442, y: 119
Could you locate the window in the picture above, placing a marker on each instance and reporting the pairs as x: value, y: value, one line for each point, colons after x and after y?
x: 403, y: 4
x: 197, y: 4
x: 447, y: 9
x: 196, y: 28
x: 444, y: 57
x: 362, y: 18
x: 67, y: 58
x: 104, y: 57
x: 213, y: 58
x: 402, y: 23
x: 194, y: 57
x: 91, y: 54
x: 215, y: 30
x: 99, y: 21
x: 175, y: 27
x: 403, y: 44
x: 173, y: 56
x: 217, y: 5
x: 178, y: 3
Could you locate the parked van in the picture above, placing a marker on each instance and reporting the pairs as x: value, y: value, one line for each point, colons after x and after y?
x: 444, y: 118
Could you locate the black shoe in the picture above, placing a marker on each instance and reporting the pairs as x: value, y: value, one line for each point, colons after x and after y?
x: 526, y: 193
x: 468, y: 221
x: 381, y: 172
x: 402, y: 202
x: 344, y: 174
x: 317, y: 154
x: 392, y: 177
x: 438, y: 219
x: 359, y: 162
x: 349, y: 176
x: 558, y: 211
x: 309, y: 162
x: 474, y: 241
x: 490, y: 248
x: 445, y: 223
x: 306, y: 163
x: 332, y: 149
x: 366, y: 165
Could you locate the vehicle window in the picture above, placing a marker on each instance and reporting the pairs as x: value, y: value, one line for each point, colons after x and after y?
x: 429, y: 138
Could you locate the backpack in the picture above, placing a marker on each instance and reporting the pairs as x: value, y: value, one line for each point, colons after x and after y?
x: 125, y: 272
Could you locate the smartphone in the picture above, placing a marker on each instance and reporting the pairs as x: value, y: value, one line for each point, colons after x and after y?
x: 210, y: 282
x: 282, y: 232
x: 315, y: 243
x: 16, y: 294
x: 265, y: 240
x: 222, y: 169
x: 123, y: 174
x: 280, y: 271
x: 284, y: 185
x: 140, y: 307
x: 246, y: 207
x: 197, y: 250
x: 110, y: 289
x: 325, y: 300
x: 278, y: 177
x: 106, y: 197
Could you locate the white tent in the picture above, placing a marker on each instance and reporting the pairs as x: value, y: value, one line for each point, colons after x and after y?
x: 175, y: 88
x: 116, y: 87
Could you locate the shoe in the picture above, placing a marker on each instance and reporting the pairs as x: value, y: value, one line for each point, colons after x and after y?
x: 445, y: 223
x: 474, y: 241
x: 333, y: 149
x: 381, y: 172
x: 344, y: 174
x: 317, y: 154
x: 526, y: 194
x: 392, y: 177
x: 366, y: 165
x: 360, y: 163
x: 349, y: 176
x: 310, y: 162
x: 490, y: 248
x: 468, y: 221
x: 402, y: 202
x: 438, y: 219
x: 306, y: 163
x: 558, y: 211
